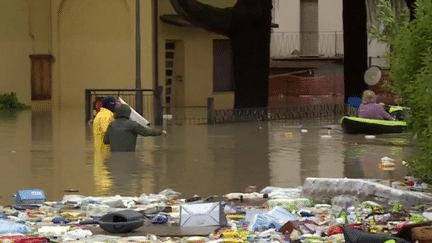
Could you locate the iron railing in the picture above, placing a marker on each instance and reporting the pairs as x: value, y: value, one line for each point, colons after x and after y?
x: 351, y: 110
x: 198, y: 115
x: 151, y: 101
x: 185, y: 115
x: 279, y: 113
x: 294, y: 44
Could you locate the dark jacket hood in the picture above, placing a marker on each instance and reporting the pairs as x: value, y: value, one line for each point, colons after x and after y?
x: 123, y: 111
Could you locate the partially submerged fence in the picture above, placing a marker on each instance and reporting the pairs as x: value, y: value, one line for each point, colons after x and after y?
x: 278, y: 113
x: 151, y: 102
x: 197, y: 115
x: 185, y: 115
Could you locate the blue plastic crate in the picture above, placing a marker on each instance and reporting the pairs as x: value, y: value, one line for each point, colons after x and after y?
x: 34, y: 196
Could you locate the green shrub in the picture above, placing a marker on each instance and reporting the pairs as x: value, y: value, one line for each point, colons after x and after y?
x: 390, y: 16
x: 411, y: 73
x: 10, y: 102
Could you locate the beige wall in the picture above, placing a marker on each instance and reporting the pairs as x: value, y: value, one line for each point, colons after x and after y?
x: 40, y: 25
x: 223, y: 100
x: 94, y: 47
x: 198, y: 59
x: 15, y: 48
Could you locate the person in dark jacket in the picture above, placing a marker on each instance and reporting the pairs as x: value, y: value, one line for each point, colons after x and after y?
x: 122, y: 133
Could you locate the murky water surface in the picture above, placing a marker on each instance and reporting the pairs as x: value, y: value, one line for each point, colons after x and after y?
x: 53, y: 150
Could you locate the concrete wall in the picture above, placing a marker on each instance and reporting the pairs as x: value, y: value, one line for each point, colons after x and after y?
x: 287, y: 15
x: 330, y: 15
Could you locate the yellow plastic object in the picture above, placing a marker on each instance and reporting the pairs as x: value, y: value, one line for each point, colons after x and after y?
x: 230, y: 240
x: 230, y: 234
x: 236, y: 216
x: 72, y: 215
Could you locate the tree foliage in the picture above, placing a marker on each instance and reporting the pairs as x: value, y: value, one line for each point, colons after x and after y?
x: 10, y: 102
x: 411, y: 72
x: 390, y: 15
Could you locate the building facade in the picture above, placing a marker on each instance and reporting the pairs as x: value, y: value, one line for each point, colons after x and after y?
x: 62, y: 47
x: 55, y: 49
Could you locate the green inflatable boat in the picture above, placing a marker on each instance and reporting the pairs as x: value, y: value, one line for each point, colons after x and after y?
x: 356, y: 125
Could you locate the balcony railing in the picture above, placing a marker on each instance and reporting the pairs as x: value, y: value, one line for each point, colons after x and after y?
x: 295, y: 44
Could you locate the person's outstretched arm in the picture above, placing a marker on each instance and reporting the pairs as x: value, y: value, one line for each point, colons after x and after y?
x: 386, y: 115
x: 146, y: 131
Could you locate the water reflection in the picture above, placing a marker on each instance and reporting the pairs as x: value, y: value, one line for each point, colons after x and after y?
x: 15, y: 146
x: 102, y: 180
x: 53, y: 150
x: 42, y: 161
x: 126, y: 171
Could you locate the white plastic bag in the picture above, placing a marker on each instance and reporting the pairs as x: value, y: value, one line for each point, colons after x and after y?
x: 169, y: 193
x: 77, y: 234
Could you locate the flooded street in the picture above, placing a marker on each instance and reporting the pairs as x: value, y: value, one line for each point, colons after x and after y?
x: 53, y: 151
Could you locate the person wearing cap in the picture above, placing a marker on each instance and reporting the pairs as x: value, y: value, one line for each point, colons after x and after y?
x: 102, y: 120
x: 122, y: 133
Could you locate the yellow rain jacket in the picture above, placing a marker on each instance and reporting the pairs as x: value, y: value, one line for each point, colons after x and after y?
x: 100, y: 124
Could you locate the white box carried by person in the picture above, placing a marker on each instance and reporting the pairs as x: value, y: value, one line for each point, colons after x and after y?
x: 135, y: 116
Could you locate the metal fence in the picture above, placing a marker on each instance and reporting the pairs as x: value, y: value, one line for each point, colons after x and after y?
x: 291, y: 44
x: 150, y: 101
x: 351, y: 110
x: 199, y: 115
x: 329, y: 110
x: 279, y: 113
x: 185, y: 115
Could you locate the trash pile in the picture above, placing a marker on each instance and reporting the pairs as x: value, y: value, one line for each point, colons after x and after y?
x: 322, y: 210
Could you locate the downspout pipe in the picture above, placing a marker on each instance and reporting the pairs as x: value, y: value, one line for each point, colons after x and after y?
x: 138, y: 95
x: 155, y: 44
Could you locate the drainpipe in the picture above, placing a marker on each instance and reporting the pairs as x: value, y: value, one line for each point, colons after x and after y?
x: 138, y: 96
x: 155, y: 44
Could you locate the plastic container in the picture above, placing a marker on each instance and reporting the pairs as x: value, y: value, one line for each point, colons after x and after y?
x: 290, y: 203
x: 121, y: 221
x: 35, y: 196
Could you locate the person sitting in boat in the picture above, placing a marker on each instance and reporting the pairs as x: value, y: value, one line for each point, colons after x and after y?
x: 371, y: 110
x: 122, y: 133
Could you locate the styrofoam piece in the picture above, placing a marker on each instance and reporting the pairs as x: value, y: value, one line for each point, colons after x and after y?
x: 362, y: 189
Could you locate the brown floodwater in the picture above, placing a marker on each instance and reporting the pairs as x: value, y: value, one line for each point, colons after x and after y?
x: 53, y: 150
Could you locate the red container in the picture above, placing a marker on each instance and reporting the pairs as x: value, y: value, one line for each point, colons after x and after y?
x: 23, y: 239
